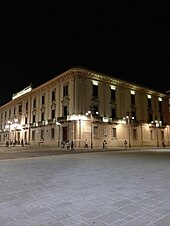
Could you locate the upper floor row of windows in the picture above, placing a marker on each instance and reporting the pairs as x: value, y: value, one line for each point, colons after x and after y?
x: 95, y: 91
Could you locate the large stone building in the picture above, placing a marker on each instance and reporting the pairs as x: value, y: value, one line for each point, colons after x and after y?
x: 85, y: 106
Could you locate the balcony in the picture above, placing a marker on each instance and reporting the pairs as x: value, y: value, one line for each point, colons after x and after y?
x: 97, y: 118
x: 61, y: 119
x: 51, y: 121
x: 33, y: 125
x: 41, y: 123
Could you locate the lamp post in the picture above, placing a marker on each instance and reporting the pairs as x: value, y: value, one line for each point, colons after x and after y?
x: 15, y: 129
x: 157, y: 135
x: 91, y: 125
x: 128, y: 122
x: 91, y: 131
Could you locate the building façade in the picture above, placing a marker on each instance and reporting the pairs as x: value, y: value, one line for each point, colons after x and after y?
x: 88, y: 108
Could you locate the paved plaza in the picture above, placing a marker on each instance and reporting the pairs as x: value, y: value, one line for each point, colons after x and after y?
x: 99, y: 188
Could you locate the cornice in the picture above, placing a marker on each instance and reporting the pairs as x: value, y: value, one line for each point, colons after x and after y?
x: 115, y: 81
x: 80, y: 72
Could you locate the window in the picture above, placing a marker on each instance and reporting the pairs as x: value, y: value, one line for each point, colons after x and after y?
x: 162, y: 135
x: 132, y: 99
x: 20, y: 108
x: 160, y: 105
x: 52, y: 133
x: 114, y: 133
x: 65, y: 111
x: 95, y: 90
x: 33, y: 118
x: 26, y: 120
x: 42, y: 116
x: 25, y: 136
x: 26, y: 106
x: 53, y: 95
x: 134, y: 134
x: 33, y: 135
x: 113, y: 112
x: 43, y: 100
x: 34, y: 103
x: 42, y: 134
x: 105, y: 132
x: 95, y: 131
x: 149, y: 103
x: 53, y: 114
x: 65, y: 90
x: 113, y: 94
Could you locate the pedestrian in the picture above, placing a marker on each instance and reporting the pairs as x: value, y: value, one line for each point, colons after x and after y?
x: 86, y: 144
x: 7, y: 144
x: 22, y: 143
x: 163, y: 144
x: 72, y: 145
x: 103, y: 144
x: 125, y: 143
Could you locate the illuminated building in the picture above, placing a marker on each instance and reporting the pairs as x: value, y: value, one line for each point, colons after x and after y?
x: 86, y: 106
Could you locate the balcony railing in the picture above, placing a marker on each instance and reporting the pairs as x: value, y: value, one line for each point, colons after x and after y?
x: 32, y: 124
x: 97, y: 118
x: 41, y: 123
x: 51, y: 121
x: 62, y: 119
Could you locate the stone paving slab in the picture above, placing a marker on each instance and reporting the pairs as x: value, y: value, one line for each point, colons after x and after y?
x: 102, y: 188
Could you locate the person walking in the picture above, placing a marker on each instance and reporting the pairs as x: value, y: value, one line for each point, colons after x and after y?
x: 72, y: 145
x: 163, y: 144
x: 103, y: 144
x: 86, y: 144
x: 22, y: 143
x: 125, y: 143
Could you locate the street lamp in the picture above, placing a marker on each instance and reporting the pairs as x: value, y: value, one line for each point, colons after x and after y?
x: 157, y: 126
x: 91, y: 124
x: 128, y: 122
x: 127, y: 119
x: 15, y: 125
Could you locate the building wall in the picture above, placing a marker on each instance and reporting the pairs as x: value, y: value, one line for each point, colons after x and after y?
x: 79, y: 124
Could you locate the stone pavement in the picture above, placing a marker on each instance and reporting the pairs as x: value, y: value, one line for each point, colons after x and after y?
x: 100, y: 188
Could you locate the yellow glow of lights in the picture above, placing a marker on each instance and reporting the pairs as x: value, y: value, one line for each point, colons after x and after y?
x: 22, y: 92
x: 105, y: 119
x: 132, y: 92
x: 95, y: 83
x: 75, y: 117
x: 113, y: 87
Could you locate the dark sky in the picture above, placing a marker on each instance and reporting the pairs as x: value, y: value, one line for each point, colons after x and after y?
x: 130, y: 41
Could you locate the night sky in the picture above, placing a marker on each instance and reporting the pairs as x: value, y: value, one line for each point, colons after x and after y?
x: 129, y: 41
